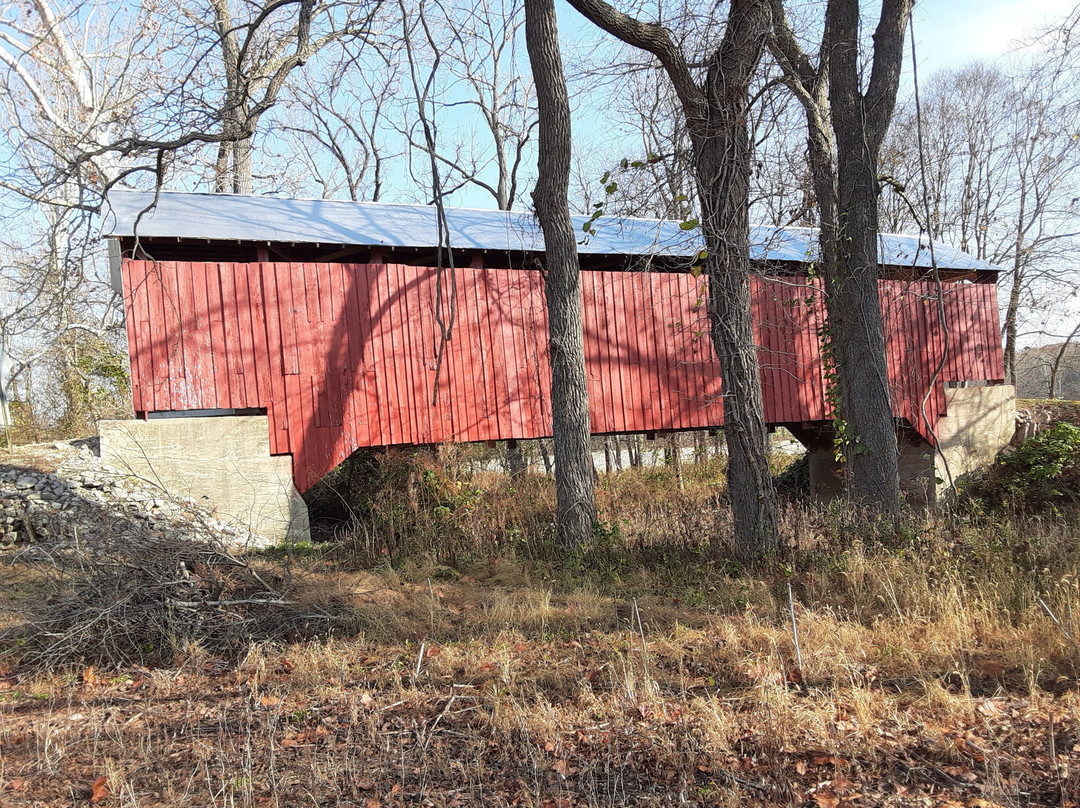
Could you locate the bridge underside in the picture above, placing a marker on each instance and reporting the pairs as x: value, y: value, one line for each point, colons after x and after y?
x: 344, y: 356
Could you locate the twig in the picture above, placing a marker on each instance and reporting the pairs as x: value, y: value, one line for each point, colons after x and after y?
x: 192, y: 604
x: 1057, y: 622
x: 641, y: 631
x: 420, y: 660
x: 431, y: 605
x: 794, y: 627
x: 435, y: 723
x: 1053, y: 757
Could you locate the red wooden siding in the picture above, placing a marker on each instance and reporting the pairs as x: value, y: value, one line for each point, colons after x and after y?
x: 344, y: 355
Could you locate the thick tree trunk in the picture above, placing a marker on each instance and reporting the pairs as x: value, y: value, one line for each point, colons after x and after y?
x: 722, y: 152
x: 858, y: 341
x: 716, y: 121
x: 727, y: 239
x: 574, y: 472
x: 242, y: 166
x: 859, y: 124
x: 846, y: 128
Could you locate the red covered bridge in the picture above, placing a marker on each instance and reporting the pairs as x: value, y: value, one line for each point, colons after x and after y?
x: 323, y: 316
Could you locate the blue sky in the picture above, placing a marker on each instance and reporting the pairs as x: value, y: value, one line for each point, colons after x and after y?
x: 950, y: 33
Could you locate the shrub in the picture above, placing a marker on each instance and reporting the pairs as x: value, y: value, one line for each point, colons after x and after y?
x: 1044, y: 471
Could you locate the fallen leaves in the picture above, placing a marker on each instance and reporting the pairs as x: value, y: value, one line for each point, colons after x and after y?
x: 360, y: 710
x: 564, y: 769
x: 826, y: 799
x: 100, y: 791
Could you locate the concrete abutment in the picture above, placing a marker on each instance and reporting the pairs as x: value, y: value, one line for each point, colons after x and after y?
x: 979, y: 422
x: 223, y: 462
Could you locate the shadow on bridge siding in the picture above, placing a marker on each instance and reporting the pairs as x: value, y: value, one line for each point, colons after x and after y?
x: 343, y: 356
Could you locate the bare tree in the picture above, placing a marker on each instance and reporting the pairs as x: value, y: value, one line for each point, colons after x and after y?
x: 485, y: 104
x: 574, y: 471
x: 1056, y: 366
x: 1003, y: 181
x: 846, y: 127
x: 336, y: 131
x: 715, y: 109
x: 147, y: 99
x: 259, y: 48
x: 59, y: 102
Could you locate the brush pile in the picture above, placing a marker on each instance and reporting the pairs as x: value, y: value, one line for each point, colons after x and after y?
x: 127, y: 574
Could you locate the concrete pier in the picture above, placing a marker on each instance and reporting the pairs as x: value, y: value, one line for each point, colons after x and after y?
x: 979, y: 422
x: 221, y: 461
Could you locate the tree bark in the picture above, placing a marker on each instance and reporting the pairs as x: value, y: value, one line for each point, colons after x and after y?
x: 515, y: 459
x: 574, y: 472
x: 1010, y: 325
x: 716, y: 120
x: 545, y: 457
x: 722, y: 155
x: 860, y: 121
x: 846, y: 128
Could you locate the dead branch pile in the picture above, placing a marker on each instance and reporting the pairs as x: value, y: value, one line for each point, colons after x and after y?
x: 125, y: 592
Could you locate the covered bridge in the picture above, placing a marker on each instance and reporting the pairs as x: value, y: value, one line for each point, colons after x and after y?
x: 323, y: 317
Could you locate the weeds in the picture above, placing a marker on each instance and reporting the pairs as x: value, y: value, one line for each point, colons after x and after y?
x: 645, y: 670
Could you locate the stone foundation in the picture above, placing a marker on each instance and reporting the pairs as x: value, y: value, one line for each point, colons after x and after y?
x: 980, y: 423
x: 221, y: 461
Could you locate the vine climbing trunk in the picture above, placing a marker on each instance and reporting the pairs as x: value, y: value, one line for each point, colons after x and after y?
x: 574, y: 474
x: 846, y: 127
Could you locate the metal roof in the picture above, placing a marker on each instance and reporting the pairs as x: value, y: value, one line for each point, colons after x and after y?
x: 232, y: 217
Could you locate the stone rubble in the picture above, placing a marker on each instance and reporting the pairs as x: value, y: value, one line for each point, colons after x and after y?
x: 85, y: 494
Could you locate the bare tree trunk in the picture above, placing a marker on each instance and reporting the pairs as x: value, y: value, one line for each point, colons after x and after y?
x: 242, y: 165
x: 675, y: 459
x: 574, y: 469
x: 860, y: 122
x: 846, y: 128
x: 607, y: 456
x: 716, y: 120
x: 515, y: 459
x: 724, y: 184
x: 545, y: 456
x: 1009, y: 326
x: 1055, y: 368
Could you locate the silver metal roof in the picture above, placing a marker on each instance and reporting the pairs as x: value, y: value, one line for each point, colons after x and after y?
x: 229, y: 217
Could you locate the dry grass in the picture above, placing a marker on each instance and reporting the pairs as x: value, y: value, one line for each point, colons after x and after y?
x: 486, y: 669
x: 918, y: 686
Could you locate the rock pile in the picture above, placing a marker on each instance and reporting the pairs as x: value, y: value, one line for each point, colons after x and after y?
x: 83, y: 494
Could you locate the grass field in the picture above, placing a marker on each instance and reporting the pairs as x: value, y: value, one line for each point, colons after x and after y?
x: 464, y: 661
